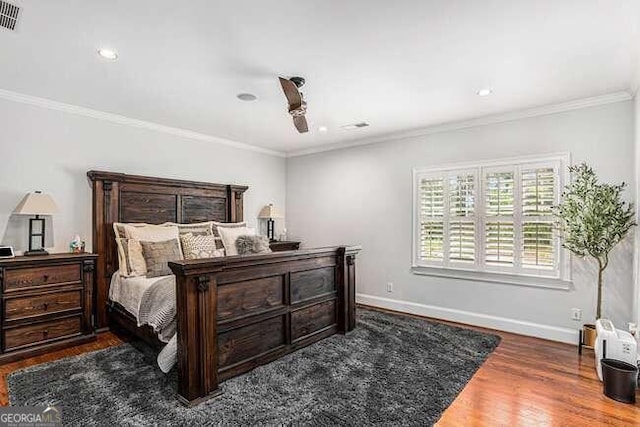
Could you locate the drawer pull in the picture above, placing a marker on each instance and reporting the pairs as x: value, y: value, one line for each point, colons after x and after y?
x: 45, y: 333
x: 46, y: 278
x: 45, y: 306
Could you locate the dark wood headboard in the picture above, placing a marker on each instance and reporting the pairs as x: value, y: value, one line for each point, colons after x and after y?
x: 130, y: 198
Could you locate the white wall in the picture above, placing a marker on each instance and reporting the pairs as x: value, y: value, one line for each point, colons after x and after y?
x: 362, y: 195
x: 48, y: 150
x: 637, y: 235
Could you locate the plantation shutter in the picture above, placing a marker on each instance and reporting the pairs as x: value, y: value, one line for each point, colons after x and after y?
x: 493, y: 218
x: 431, y: 199
x: 499, y: 218
x: 538, y: 196
x: 462, y: 222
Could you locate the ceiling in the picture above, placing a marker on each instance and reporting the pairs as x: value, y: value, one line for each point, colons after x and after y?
x: 397, y: 65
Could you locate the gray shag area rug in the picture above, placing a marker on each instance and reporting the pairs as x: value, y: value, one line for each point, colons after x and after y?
x: 391, y: 370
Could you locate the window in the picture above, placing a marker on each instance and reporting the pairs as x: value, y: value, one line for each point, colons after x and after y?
x: 493, y: 217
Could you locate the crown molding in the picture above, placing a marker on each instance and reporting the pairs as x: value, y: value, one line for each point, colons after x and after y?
x: 128, y: 121
x: 444, y: 127
x: 479, y: 121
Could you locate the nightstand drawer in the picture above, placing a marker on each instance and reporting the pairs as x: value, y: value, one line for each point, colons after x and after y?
x: 33, y: 334
x: 23, y: 307
x: 41, y: 276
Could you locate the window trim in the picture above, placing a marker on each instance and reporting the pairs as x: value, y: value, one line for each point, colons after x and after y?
x: 559, y: 279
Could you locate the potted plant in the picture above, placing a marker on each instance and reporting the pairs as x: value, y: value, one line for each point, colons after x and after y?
x: 593, y: 219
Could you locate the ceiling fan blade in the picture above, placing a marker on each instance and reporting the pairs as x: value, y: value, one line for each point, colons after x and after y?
x: 291, y: 92
x: 300, y: 122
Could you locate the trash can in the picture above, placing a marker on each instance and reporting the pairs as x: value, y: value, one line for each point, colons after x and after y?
x: 620, y: 380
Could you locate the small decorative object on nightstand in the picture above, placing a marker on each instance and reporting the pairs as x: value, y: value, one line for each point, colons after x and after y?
x: 36, y: 203
x: 77, y: 245
x: 284, y: 246
x: 270, y: 212
x: 47, y: 303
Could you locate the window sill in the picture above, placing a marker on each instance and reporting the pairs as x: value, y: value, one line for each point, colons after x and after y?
x: 509, y: 279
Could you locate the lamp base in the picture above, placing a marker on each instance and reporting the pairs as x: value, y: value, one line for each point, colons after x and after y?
x: 36, y: 252
x: 271, y: 229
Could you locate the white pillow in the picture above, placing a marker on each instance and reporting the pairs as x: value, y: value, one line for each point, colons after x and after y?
x: 149, y: 233
x: 123, y: 255
x: 152, y: 233
x: 229, y: 236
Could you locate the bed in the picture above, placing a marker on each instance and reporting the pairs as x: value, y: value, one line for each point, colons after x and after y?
x: 233, y: 313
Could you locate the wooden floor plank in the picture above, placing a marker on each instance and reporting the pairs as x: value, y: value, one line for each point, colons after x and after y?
x: 524, y: 382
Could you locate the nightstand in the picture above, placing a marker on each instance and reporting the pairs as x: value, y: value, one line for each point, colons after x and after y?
x: 283, y: 245
x: 47, y: 303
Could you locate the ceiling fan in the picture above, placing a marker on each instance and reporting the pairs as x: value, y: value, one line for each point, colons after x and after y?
x: 295, y: 99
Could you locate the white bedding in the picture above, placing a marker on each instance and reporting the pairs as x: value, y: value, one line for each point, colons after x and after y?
x: 127, y: 291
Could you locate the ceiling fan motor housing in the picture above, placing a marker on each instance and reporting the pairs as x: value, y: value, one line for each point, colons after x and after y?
x: 298, y: 81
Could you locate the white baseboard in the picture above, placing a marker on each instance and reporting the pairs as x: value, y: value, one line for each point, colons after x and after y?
x: 531, y: 329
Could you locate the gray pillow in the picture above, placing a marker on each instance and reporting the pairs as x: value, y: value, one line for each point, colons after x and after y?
x: 252, y: 245
x: 157, y: 256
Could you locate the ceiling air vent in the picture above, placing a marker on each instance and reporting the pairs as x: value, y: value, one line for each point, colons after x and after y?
x: 8, y: 15
x: 355, y: 126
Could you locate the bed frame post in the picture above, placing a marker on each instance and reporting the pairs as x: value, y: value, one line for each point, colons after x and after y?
x: 346, y: 272
x: 106, y: 192
x: 196, y: 307
x: 236, y: 204
x: 350, y: 255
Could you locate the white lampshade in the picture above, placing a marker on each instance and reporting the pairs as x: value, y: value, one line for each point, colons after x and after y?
x: 36, y: 203
x: 269, y: 211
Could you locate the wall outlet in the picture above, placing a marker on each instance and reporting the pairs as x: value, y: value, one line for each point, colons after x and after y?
x: 389, y: 287
x: 576, y: 314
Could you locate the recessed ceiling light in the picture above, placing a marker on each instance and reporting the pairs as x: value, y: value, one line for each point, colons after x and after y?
x: 109, y: 54
x: 322, y: 128
x: 485, y: 92
x: 246, y: 97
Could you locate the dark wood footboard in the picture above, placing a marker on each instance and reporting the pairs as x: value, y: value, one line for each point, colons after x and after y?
x: 236, y: 313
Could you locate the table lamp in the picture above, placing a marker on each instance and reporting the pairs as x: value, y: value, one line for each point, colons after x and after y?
x: 36, y: 203
x: 269, y: 212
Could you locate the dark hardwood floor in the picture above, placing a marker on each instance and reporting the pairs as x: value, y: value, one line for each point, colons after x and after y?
x: 525, y: 382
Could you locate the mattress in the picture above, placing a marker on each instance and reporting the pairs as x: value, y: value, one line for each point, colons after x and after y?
x: 128, y: 291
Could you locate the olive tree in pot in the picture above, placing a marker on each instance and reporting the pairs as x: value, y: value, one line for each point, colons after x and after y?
x: 593, y: 219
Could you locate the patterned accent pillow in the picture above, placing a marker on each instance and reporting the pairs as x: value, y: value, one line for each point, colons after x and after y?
x: 252, y: 245
x: 199, y: 246
x: 157, y: 256
x: 197, y: 228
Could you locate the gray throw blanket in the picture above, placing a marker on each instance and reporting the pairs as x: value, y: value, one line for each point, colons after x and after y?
x: 158, y: 310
